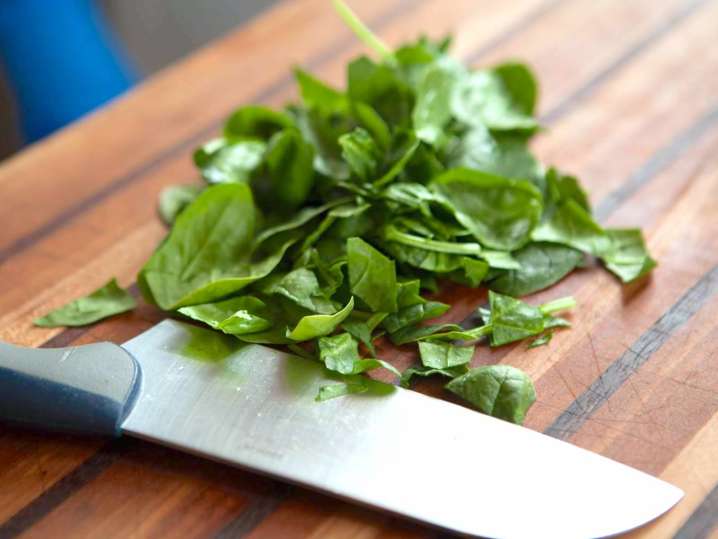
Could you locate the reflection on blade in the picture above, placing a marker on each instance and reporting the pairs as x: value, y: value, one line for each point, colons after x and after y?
x: 401, y: 451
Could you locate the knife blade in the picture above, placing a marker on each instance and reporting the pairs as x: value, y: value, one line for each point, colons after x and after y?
x: 390, y: 448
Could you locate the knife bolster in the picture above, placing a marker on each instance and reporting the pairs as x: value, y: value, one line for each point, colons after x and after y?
x: 86, y: 389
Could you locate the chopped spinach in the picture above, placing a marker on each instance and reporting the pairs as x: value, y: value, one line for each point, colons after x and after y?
x: 326, y: 220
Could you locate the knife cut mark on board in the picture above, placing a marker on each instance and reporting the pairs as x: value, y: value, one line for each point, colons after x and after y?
x: 612, y: 378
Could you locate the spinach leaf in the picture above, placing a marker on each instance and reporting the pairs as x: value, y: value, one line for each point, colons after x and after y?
x: 340, y: 353
x: 224, y: 161
x: 199, y: 262
x: 255, y: 121
x: 626, y: 254
x: 372, y: 276
x: 497, y: 390
x: 499, y: 212
x: 235, y: 316
x: 512, y: 319
x: 106, y: 301
x: 434, y: 93
x: 290, y: 169
x: 450, y: 372
x: 444, y: 355
x: 541, y: 264
x: 361, y: 153
x: 573, y: 226
x: 318, y: 325
x: 414, y: 314
x: 174, y: 199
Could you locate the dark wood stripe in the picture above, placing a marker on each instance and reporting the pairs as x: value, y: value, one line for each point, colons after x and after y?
x: 513, y: 30
x: 63, y: 489
x: 71, y: 213
x: 658, y: 162
x: 581, y: 93
x: 703, y: 520
x: 641, y: 351
x: 258, y: 509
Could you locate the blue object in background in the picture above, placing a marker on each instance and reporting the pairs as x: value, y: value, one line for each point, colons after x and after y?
x: 61, y: 60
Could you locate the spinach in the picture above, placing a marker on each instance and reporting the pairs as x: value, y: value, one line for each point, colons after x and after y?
x: 106, y: 301
x: 497, y: 390
x: 540, y: 265
x: 225, y: 161
x: 626, y: 254
x: 372, y: 276
x: 340, y: 353
x: 199, y: 262
x: 235, y: 316
x: 317, y: 325
x: 174, y: 199
x: 499, y: 212
x: 444, y: 355
x: 325, y: 221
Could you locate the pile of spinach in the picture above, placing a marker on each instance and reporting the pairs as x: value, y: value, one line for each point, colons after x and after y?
x: 322, y: 224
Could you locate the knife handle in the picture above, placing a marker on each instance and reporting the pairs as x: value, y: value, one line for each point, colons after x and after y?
x: 86, y: 389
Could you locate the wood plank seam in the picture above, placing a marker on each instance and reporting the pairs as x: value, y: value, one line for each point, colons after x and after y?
x: 703, y: 520
x: 185, y: 145
x: 658, y: 162
x: 62, y: 489
x: 640, y: 352
x: 631, y: 53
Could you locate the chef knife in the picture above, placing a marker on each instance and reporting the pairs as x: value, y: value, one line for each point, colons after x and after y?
x: 390, y: 448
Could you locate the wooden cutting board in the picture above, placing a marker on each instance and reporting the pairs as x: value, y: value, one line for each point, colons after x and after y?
x: 630, y: 102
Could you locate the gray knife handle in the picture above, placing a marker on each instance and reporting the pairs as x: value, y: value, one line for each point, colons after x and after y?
x: 85, y: 389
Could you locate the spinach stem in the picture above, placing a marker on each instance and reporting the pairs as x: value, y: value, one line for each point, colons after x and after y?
x: 362, y: 31
x: 560, y: 304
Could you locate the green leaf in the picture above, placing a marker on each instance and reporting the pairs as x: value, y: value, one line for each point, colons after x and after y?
x: 483, y: 97
x: 499, y: 154
x: 413, y: 314
x: 451, y: 372
x: 290, y: 169
x: 372, y: 276
x: 381, y: 87
x: 340, y: 354
x: 106, y: 301
x: 174, y: 199
x: 255, y: 121
x: 319, y: 325
x: 540, y: 265
x: 499, y: 212
x: 235, y: 316
x: 626, y: 255
x: 573, y: 226
x: 497, y: 390
x: 302, y: 287
x: 444, y: 355
x: 512, y: 320
x: 434, y: 96
x: 206, y: 255
x: 223, y: 161
x: 541, y: 340
x: 332, y: 391
x: 361, y: 153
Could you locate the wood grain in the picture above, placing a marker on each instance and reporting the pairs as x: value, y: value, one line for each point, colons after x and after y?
x: 630, y: 93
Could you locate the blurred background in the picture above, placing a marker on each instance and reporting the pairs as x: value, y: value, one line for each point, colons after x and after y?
x: 60, y: 59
